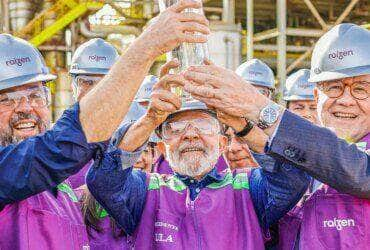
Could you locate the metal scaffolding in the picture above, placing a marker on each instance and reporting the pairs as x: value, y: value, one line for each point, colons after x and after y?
x: 281, y: 33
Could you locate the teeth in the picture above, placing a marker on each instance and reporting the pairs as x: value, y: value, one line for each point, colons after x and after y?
x: 192, y: 150
x: 25, y: 125
x: 344, y: 115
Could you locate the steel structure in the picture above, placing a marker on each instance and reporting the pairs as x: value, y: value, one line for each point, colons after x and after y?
x: 283, y: 32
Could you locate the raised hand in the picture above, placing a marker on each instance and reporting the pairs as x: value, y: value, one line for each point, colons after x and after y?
x: 173, y: 27
x: 163, y: 101
x: 225, y: 91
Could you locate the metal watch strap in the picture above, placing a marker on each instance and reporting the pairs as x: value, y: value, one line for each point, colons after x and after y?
x: 262, y: 125
x: 248, y: 127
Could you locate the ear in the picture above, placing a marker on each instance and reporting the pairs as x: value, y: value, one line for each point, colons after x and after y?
x: 222, y: 143
x: 161, y: 148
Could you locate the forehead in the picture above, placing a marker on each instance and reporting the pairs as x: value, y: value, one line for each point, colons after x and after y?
x: 350, y: 80
x: 23, y: 87
x: 189, y: 115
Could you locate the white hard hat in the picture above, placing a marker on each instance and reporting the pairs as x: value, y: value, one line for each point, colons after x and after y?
x: 297, y: 86
x: 257, y: 72
x: 143, y: 94
x: 96, y: 56
x: 20, y: 63
x: 342, y: 52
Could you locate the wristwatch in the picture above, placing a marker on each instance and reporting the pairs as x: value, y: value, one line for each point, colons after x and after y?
x: 268, y: 115
x: 248, y: 127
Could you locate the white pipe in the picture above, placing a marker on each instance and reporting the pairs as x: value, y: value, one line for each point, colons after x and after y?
x: 250, y: 29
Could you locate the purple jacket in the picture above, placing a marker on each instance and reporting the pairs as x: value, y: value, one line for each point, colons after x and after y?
x: 310, y: 226
x: 105, y: 239
x: 332, y: 220
x: 172, y: 221
x: 44, y: 221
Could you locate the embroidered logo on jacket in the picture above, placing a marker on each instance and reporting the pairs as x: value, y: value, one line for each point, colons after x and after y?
x: 339, y: 224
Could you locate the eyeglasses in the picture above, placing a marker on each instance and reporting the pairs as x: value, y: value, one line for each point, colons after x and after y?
x: 87, y: 81
x: 177, y: 128
x: 335, y: 89
x: 37, y: 97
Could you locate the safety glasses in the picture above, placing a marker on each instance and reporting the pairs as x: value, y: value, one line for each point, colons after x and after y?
x: 87, y: 81
x: 335, y: 89
x: 36, y: 97
x: 204, y: 126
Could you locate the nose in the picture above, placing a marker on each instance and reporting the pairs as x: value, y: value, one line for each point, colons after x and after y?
x: 23, y: 106
x: 346, y: 99
x: 235, y: 146
x: 191, y: 133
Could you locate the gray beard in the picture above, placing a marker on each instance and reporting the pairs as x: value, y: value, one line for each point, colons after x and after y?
x: 7, y: 137
x: 192, y: 166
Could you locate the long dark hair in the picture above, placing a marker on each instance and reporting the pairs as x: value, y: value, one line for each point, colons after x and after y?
x: 91, y: 211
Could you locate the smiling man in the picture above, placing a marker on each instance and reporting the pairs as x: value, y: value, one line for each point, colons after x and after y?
x: 196, y: 206
x: 19, y: 119
x: 37, y: 209
x: 343, y: 89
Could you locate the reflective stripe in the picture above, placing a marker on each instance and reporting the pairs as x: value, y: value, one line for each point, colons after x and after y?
x: 102, y: 213
x: 65, y: 188
x: 239, y: 181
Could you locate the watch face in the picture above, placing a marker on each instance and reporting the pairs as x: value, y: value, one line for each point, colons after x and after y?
x: 269, y: 115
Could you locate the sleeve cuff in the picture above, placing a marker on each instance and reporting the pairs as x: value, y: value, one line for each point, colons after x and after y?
x: 128, y: 158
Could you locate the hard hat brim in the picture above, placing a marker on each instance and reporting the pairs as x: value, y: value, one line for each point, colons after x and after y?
x: 299, y: 98
x: 94, y: 71
x: 23, y: 80
x: 340, y: 74
x: 142, y: 100
x: 261, y: 84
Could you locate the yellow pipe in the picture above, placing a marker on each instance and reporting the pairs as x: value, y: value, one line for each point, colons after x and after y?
x: 62, y: 22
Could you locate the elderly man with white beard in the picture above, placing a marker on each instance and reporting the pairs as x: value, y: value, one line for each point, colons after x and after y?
x: 197, y: 207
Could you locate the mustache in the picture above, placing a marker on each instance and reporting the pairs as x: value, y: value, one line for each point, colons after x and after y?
x: 17, y: 117
x: 192, y: 145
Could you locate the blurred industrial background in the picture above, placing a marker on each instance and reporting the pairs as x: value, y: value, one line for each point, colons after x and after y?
x: 280, y: 32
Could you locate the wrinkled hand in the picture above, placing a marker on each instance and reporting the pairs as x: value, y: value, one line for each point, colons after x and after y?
x: 225, y: 91
x: 172, y: 27
x: 163, y: 102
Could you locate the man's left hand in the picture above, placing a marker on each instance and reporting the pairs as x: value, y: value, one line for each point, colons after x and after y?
x: 225, y: 91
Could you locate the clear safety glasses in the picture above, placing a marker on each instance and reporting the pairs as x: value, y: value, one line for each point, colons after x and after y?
x: 36, y: 97
x: 335, y: 89
x: 87, y: 81
x: 204, y: 126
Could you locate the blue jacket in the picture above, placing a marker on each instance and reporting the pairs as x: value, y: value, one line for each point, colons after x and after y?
x: 42, y: 162
x: 320, y: 153
x: 122, y: 190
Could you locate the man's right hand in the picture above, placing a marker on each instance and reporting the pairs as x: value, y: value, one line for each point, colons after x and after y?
x: 163, y: 102
x: 173, y: 27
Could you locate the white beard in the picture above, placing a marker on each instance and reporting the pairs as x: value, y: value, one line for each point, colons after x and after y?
x: 195, y: 165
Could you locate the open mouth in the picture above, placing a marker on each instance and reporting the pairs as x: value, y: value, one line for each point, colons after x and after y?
x: 187, y: 150
x: 25, y: 125
x: 342, y: 115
